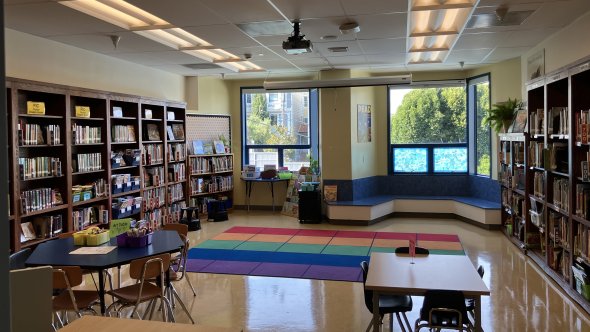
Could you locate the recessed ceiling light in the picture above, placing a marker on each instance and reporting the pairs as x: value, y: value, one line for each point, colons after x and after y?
x: 338, y: 49
x: 351, y: 27
x: 329, y: 37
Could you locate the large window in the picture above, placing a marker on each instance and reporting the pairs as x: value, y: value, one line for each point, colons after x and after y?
x: 479, y: 103
x: 279, y: 127
x: 428, y: 129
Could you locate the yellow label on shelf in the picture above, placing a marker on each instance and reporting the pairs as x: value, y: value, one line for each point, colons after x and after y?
x: 118, y: 226
x: 82, y: 111
x: 35, y: 107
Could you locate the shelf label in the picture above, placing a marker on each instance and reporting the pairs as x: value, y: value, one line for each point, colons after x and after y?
x: 82, y: 111
x: 35, y: 107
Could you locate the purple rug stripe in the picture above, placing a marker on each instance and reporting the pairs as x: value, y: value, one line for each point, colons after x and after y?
x: 196, y: 265
x: 280, y: 270
x: 340, y: 273
x: 231, y: 267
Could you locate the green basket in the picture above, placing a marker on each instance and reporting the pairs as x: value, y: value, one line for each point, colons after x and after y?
x: 285, y: 175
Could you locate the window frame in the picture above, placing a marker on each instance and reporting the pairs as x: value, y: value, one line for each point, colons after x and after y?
x: 429, y: 146
x: 313, y: 125
x: 472, y: 125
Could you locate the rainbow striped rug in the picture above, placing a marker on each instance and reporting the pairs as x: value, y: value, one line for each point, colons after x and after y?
x: 305, y: 253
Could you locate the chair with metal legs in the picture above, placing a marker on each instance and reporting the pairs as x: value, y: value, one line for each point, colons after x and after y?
x: 66, y: 299
x: 182, y: 231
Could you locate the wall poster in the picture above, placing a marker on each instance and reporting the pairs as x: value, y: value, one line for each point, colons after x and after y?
x: 363, y: 123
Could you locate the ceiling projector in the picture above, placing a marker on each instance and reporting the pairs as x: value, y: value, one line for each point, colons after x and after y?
x: 295, y: 44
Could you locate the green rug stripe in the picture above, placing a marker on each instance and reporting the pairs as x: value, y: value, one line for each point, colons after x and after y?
x: 302, y: 248
x: 446, y: 252
x: 383, y: 249
x: 259, y: 246
x: 346, y: 250
x: 219, y: 244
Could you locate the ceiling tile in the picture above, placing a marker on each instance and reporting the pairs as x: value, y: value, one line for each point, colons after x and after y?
x: 381, y: 26
x: 557, y: 14
x: 480, y: 40
x: 129, y: 43
x: 279, y: 50
x: 182, y: 70
x: 323, y: 48
x: 256, y: 52
x: 305, y: 9
x: 467, y: 56
x: 376, y: 46
x: 51, y: 19
x: 387, y: 59
x: 176, y: 57
x: 355, y: 7
x: 505, y: 53
x: 180, y: 13
x: 243, y: 11
x: 275, y: 64
x: 314, y: 29
x: 347, y: 60
x: 224, y: 36
x: 527, y: 37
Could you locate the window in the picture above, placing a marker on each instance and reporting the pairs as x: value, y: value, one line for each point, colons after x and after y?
x: 279, y: 128
x: 479, y: 103
x: 428, y: 129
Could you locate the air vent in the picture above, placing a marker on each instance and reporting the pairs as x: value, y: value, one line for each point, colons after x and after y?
x: 338, y: 49
x: 491, y: 20
x: 201, y: 66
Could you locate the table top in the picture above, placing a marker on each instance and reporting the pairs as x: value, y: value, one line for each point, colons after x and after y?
x: 394, y: 273
x: 264, y: 180
x: 110, y: 324
x: 57, y: 252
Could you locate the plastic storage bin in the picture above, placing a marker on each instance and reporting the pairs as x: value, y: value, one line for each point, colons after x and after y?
x: 123, y: 240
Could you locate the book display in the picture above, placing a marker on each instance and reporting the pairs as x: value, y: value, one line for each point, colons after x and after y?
x: 211, y: 178
x: 546, y: 198
x: 107, y: 156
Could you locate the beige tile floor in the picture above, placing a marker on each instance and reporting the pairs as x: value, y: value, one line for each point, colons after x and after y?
x: 522, y: 297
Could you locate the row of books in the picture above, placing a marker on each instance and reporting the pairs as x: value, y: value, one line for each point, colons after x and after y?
x: 152, y: 154
x: 582, y: 242
x: 559, y: 230
x: 175, y: 132
x: 38, y: 167
x: 39, y: 199
x: 582, y: 123
x: 123, y: 134
x: 211, y: 185
x: 518, y: 206
x: 176, y: 172
x: 85, y: 217
x: 583, y: 200
x: 175, y: 212
x: 88, y: 162
x: 153, y: 176
x: 536, y: 154
x: 175, y: 193
x: 123, y: 178
x: 176, y: 152
x: 98, y: 188
x: 539, y: 184
x: 507, y: 198
x: 558, y: 121
x: 561, y: 189
x: 154, y: 198
x: 537, y: 122
x: 153, y: 217
x: 557, y: 157
x: 560, y: 261
x: 202, y: 203
x: 42, y: 227
x: 201, y: 165
x: 34, y: 134
x: 86, y: 134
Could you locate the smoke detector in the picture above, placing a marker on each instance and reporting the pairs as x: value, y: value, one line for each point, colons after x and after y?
x: 351, y: 27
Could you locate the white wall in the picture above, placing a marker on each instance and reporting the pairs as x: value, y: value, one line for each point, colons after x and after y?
x: 34, y: 58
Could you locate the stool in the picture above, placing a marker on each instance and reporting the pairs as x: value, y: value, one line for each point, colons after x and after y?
x: 217, y: 210
x: 190, y: 217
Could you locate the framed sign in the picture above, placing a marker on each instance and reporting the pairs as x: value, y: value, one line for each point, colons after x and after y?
x: 363, y: 123
x: 536, y: 65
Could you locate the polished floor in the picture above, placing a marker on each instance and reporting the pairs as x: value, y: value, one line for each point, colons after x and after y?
x: 522, y: 297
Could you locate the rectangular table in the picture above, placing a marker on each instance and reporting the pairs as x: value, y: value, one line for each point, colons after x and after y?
x: 57, y: 253
x: 395, y: 274
x: 250, y: 182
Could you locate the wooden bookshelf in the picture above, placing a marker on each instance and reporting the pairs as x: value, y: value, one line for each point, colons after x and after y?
x: 86, y: 143
x: 175, y: 161
x: 561, y: 234
x: 210, y: 178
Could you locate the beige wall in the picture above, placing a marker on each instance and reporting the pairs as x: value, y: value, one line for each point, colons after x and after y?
x: 208, y: 95
x: 364, y: 161
x: 34, y: 58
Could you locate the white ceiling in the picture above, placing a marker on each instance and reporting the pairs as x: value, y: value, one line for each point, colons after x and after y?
x: 379, y: 46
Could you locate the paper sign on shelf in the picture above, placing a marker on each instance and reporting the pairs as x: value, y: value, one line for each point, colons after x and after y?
x: 34, y: 107
x: 82, y: 111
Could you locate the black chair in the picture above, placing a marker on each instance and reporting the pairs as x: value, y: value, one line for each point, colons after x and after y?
x: 388, y: 304
x: 406, y: 250
x: 470, y: 303
x: 444, y: 309
x: 18, y: 259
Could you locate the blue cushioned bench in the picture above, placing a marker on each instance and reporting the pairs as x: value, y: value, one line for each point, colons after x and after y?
x: 480, y: 211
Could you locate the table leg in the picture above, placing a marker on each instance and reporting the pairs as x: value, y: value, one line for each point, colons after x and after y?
x: 272, y: 195
x: 248, y: 193
x: 103, y: 307
x: 477, y: 309
x: 376, y: 317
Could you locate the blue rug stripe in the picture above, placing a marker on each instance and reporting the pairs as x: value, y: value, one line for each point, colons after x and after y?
x: 276, y: 257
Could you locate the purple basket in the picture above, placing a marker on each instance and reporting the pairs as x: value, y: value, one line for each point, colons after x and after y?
x: 134, y: 242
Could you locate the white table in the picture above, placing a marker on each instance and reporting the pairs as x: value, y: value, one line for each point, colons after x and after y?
x: 395, y: 274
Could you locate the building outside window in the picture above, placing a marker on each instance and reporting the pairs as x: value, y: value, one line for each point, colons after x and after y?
x: 276, y: 127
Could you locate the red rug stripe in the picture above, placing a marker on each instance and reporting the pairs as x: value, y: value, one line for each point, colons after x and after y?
x: 438, y: 237
x: 244, y: 229
x: 395, y: 236
x: 318, y: 232
x: 355, y: 234
x: 279, y: 231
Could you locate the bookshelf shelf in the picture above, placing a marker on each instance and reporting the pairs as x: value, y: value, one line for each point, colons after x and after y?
x: 175, y: 141
x: 154, y: 165
x: 120, y: 168
x: 176, y: 182
x: 212, y: 192
x: 152, y: 120
x: 86, y: 119
x: 581, y: 220
x: 176, y: 161
x: 90, y: 201
x: 40, y: 146
x: 127, y: 118
x: 519, y: 191
x: 36, y: 242
x: 126, y: 193
x: 44, y: 211
x: 42, y: 178
x: 88, y: 144
x: 152, y: 142
x: 40, y: 116
x: 88, y: 172
x: 175, y: 121
x: 537, y: 199
x: 154, y: 187
x: 123, y: 143
x: 559, y: 173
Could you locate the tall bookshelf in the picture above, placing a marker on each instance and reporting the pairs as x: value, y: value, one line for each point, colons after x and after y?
x: 175, y: 161
x: 69, y: 182
x: 211, y: 178
x: 556, y: 195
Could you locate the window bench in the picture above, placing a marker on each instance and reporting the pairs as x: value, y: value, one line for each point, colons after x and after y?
x: 480, y: 212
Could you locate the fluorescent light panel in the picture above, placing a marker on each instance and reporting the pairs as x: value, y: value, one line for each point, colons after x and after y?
x: 132, y: 18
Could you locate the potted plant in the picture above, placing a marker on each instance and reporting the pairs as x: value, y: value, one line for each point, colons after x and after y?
x: 500, y: 115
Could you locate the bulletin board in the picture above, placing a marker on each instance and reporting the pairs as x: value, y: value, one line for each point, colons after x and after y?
x: 207, y: 127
